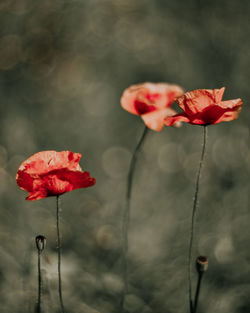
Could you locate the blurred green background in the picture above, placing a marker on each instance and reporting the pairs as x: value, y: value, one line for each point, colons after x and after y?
x: 63, y: 67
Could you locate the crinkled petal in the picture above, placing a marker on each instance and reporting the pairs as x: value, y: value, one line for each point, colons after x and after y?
x: 204, y: 107
x: 163, y: 94
x: 77, y: 179
x: 128, y: 99
x: 232, y: 113
x: 24, y: 181
x: 155, y: 120
x: 208, y: 116
x: 29, y: 182
x: 218, y: 94
x: 53, y: 174
x: 176, y: 119
x: 172, y: 93
x: 228, y: 116
x: 216, y: 114
x: 63, y: 180
x: 54, y: 184
x: 197, y: 100
x: 144, y: 98
x: 45, y: 161
x: 37, y: 195
x: 213, y: 114
x: 230, y: 104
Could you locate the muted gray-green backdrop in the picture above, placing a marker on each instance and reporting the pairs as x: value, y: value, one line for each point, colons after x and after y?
x: 63, y: 67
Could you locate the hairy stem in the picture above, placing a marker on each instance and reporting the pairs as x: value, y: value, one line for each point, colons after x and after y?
x: 59, y: 255
x: 194, y: 211
x: 126, y: 213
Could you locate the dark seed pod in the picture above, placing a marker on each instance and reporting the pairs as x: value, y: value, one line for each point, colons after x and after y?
x: 40, y: 242
x: 202, y: 264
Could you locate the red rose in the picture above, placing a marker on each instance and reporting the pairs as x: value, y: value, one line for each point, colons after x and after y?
x: 152, y: 101
x: 204, y: 107
x: 51, y: 173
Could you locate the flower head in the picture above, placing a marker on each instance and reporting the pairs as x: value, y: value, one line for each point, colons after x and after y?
x: 204, y: 107
x: 151, y: 101
x: 51, y: 173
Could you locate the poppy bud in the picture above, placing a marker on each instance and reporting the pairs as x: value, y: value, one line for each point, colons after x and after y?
x: 40, y: 242
x: 201, y: 264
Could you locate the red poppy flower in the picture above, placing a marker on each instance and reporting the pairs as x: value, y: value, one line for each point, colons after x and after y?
x: 151, y: 101
x: 51, y: 173
x: 204, y: 107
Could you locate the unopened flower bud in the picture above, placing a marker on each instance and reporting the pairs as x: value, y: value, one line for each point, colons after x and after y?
x: 202, y: 264
x: 40, y: 242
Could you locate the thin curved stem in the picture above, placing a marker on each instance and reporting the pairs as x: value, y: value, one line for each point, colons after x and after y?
x: 59, y: 255
x: 39, y: 282
x: 194, y: 211
x: 126, y: 213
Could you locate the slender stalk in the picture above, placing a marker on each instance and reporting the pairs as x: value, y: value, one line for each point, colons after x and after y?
x: 201, y: 266
x: 39, y: 282
x: 200, y: 275
x: 40, y: 244
x: 194, y: 211
x: 126, y: 213
x: 59, y: 256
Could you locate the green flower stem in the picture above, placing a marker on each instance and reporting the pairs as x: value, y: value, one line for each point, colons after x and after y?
x: 126, y: 214
x: 39, y: 282
x: 59, y: 255
x: 200, y: 275
x: 194, y: 212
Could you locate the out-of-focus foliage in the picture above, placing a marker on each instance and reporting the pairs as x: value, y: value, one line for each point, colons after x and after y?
x: 63, y: 67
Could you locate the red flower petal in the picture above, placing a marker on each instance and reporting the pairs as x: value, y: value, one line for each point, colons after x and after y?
x: 148, y: 100
x: 204, y: 107
x: 172, y: 120
x: 197, y: 100
x: 28, y: 182
x: 24, y: 180
x: 43, y: 161
x: 37, y: 195
x: 77, y: 179
x: 51, y: 173
x: 231, y: 104
x: 143, y: 106
x: 210, y: 115
x: 155, y: 120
